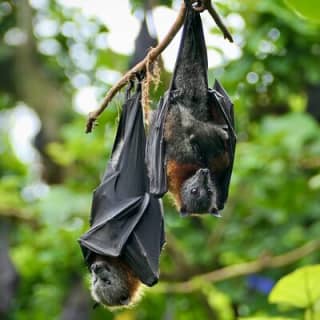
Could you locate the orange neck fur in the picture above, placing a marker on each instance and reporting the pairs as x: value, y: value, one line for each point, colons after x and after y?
x: 177, y: 174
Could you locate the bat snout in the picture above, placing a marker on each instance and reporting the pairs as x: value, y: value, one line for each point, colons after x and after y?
x: 204, y: 171
x: 203, y: 176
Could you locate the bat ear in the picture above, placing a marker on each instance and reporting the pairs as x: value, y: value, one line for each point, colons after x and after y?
x: 183, y: 211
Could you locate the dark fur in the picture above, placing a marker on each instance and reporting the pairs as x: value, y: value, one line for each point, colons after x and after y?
x: 113, y: 283
x: 193, y: 139
x: 191, y: 145
x: 198, y: 193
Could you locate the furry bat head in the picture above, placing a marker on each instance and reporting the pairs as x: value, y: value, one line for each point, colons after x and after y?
x: 198, y: 194
x: 113, y: 283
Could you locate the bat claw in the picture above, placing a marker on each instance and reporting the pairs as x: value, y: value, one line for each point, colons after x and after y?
x: 216, y: 214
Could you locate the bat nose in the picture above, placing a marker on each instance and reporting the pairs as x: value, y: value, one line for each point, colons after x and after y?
x: 204, y: 172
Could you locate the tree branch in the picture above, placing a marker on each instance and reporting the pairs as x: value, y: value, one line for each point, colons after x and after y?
x: 19, y: 216
x: 151, y: 56
x: 265, y: 262
x: 154, y: 53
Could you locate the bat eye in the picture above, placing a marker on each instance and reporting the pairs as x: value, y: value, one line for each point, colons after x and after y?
x: 209, y: 192
x: 194, y: 191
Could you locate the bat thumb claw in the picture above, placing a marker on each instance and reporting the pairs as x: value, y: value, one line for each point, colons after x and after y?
x: 214, y: 212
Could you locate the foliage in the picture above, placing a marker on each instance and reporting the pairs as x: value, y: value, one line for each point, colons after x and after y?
x: 273, y: 205
x: 298, y: 289
x: 307, y: 9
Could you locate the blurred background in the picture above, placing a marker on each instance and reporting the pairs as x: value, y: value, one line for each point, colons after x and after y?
x: 57, y: 60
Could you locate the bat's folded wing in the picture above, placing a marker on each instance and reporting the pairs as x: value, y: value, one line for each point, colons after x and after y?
x: 143, y: 248
x: 133, y: 229
x: 155, y: 151
x: 126, y: 221
x: 225, y: 108
x: 109, y: 235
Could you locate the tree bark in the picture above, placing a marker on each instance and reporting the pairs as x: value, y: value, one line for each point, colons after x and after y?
x: 39, y: 90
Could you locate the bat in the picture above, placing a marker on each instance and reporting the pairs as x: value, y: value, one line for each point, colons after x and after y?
x: 191, y: 141
x: 123, y: 245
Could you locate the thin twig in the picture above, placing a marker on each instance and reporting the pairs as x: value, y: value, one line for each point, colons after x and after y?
x: 265, y: 262
x: 153, y: 54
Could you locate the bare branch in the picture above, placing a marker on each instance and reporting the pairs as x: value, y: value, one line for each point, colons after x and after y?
x: 151, y: 56
x: 265, y: 262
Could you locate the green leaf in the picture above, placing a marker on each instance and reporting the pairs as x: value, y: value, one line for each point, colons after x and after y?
x: 299, y: 289
x: 308, y: 9
x: 311, y: 314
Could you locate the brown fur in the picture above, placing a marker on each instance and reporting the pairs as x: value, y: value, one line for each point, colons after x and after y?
x: 177, y: 173
x: 132, y: 280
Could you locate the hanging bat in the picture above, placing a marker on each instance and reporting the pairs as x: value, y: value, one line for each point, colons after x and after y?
x: 123, y: 245
x: 191, y: 143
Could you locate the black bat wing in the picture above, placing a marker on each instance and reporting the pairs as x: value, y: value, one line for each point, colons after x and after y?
x: 155, y: 150
x: 126, y: 221
x: 225, y: 108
